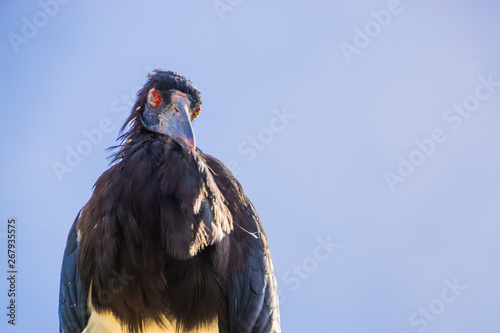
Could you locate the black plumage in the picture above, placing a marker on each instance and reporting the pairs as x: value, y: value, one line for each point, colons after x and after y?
x: 168, y: 236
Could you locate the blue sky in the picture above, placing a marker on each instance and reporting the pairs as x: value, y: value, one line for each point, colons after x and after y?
x: 371, y: 127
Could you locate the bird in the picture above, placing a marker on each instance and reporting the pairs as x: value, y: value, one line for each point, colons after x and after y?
x: 168, y: 241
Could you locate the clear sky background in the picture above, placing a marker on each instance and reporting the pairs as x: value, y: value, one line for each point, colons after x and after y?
x: 370, y: 126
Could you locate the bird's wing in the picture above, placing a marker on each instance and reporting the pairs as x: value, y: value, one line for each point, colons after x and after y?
x: 253, y: 293
x: 73, y: 309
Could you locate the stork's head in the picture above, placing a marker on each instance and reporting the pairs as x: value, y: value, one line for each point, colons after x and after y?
x: 167, y: 104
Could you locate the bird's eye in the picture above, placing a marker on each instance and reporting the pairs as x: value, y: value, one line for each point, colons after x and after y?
x: 154, y: 98
x: 196, y: 112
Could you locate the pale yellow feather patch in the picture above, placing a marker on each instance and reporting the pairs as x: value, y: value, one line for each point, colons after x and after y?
x: 107, y: 323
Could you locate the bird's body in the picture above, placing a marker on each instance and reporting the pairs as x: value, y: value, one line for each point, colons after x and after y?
x: 168, y: 241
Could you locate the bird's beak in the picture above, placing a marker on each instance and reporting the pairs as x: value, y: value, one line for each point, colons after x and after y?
x: 176, y: 122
